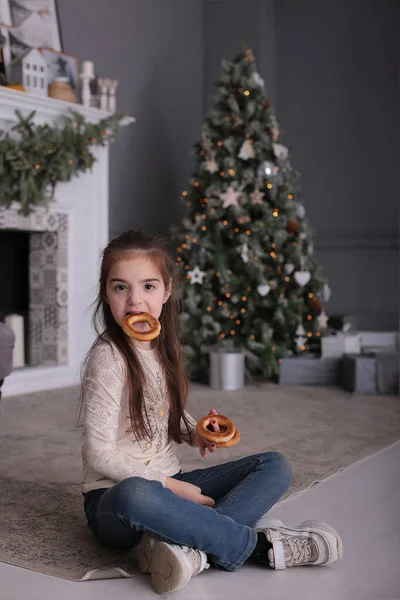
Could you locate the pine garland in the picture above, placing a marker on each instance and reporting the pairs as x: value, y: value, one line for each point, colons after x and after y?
x: 34, y: 158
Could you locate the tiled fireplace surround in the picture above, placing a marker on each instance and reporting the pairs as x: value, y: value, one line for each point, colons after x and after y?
x: 65, y: 249
x: 48, y: 283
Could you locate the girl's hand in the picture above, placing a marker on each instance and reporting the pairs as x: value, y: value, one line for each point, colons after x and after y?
x: 188, y: 491
x: 201, y: 442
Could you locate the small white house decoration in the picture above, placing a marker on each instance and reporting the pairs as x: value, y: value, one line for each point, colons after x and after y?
x: 30, y: 71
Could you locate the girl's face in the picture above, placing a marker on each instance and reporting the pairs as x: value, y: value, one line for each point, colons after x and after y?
x: 133, y: 286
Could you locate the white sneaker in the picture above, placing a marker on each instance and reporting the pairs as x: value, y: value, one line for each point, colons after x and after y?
x: 171, y: 566
x: 311, y: 543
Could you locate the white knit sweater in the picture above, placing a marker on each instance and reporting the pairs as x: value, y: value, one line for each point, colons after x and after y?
x: 110, y: 452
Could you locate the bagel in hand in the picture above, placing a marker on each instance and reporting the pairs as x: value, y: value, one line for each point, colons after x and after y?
x: 143, y: 336
x: 226, y: 437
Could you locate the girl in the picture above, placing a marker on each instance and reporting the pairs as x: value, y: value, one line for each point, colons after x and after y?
x: 135, y: 493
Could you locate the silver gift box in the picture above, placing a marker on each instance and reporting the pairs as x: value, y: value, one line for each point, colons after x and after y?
x: 226, y: 370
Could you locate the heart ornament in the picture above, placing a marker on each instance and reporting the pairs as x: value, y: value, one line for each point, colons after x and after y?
x: 288, y: 268
x: 263, y: 289
x: 302, y: 277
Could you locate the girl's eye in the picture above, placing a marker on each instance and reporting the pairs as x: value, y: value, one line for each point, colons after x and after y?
x: 149, y: 286
x: 120, y: 287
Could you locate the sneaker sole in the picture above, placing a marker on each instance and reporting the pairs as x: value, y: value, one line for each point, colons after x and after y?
x: 268, y: 523
x: 168, y: 571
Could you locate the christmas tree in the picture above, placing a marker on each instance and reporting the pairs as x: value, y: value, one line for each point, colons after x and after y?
x: 245, y: 247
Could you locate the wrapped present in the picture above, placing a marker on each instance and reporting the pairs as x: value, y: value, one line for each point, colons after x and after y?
x: 375, y: 372
x: 379, y: 339
x: 334, y: 346
x: 359, y: 374
x: 310, y: 370
x: 387, y: 371
x: 387, y: 368
x: 227, y: 369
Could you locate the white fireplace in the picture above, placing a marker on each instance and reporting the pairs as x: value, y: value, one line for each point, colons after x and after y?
x: 78, y: 222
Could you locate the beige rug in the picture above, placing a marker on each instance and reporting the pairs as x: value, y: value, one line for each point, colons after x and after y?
x: 42, y: 525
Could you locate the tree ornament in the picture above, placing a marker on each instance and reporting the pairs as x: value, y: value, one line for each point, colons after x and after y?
x: 246, y: 150
x: 302, y: 277
x: 323, y: 320
x: 300, y: 342
x: 288, y: 268
x: 211, y: 166
x: 275, y: 133
x: 301, y: 211
x: 300, y: 330
x: 243, y: 219
x: 249, y: 55
x: 206, y: 143
x: 266, y: 170
x: 292, y: 226
x: 280, y: 151
x: 326, y: 292
x: 266, y: 104
x: 257, y: 80
x: 263, y: 289
x: 315, y: 304
x: 244, y: 253
x: 256, y: 197
x: 230, y: 197
x: 196, y: 276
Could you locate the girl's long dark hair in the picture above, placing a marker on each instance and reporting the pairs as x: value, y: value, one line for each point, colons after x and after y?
x: 167, y: 344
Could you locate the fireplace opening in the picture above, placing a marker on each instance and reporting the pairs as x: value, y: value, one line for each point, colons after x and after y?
x: 14, y: 289
x: 28, y: 296
x: 14, y: 272
x: 34, y: 285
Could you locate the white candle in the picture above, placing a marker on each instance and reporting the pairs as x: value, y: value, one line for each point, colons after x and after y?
x: 87, y: 68
x: 16, y: 323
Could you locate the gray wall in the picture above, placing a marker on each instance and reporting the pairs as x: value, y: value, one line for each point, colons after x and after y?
x: 331, y: 72
x: 337, y: 81
x: 155, y: 49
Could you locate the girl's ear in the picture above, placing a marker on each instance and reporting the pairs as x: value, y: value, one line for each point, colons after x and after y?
x: 168, y: 291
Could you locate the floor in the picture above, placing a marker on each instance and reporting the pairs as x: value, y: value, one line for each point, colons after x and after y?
x: 362, y: 502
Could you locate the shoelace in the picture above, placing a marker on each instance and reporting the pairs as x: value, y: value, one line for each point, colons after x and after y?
x: 300, y: 551
x: 195, y: 558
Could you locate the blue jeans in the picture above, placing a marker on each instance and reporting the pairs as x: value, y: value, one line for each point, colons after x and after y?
x: 243, y: 491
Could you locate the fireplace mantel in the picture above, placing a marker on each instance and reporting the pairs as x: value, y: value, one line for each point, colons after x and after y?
x: 47, y: 109
x: 85, y: 201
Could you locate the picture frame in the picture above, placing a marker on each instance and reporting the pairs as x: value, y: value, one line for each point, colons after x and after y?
x: 34, y: 24
x: 5, y: 52
x: 62, y: 64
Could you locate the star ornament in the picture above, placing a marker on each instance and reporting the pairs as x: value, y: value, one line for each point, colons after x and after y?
x: 211, y: 166
x: 230, y: 197
x: 196, y: 276
x: 300, y: 341
x: 256, y: 197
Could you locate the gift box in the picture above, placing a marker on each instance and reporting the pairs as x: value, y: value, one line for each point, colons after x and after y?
x: 334, y: 346
x: 379, y: 339
x: 359, y: 374
x: 227, y: 369
x: 310, y: 370
x: 387, y: 371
